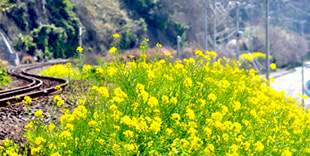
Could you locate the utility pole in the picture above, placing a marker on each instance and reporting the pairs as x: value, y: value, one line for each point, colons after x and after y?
x: 179, y: 43
x: 296, y: 25
x: 302, y: 27
x: 302, y: 65
x: 302, y: 80
x: 290, y: 27
x: 80, y: 43
x: 228, y: 26
x: 237, y: 28
x: 214, y: 26
x: 206, y: 27
x: 228, y: 38
x: 43, y: 6
x: 252, y: 21
x: 267, y: 39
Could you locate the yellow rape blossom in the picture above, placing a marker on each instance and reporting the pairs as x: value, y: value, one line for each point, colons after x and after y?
x: 128, y: 133
x: 175, y: 116
x: 87, y: 68
x: 190, y: 113
x: 28, y: 126
x: 55, y: 154
x: 79, y: 49
x: 27, y: 100
x: 39, y: 140
x: 68, y: 65
x: 38, y: 113
x: 92, y: 123
x: 69, y: 126
x: 273, y: 66
x: 259, y: 146
x: 158, y: 45
x: 174, y: 100
x: 51, y: 127
x: 116, y: 36
x: 286, y: 153
x: 65, y: 135
x: 303, y: 96
x: 153, y: 102
x: 212, y: 97
x: 188, y: 82
x: 113, y: 50
x: 58, y: 88
x: 217, y: 116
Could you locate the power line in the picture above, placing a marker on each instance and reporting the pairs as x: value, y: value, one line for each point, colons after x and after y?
x: 267, y: 39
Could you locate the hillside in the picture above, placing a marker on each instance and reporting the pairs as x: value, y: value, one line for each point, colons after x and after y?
x: 49, y: 28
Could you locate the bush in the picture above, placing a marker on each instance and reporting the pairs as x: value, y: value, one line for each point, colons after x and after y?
x: 49, y: 39
x: 132, y: 34
x: 18, y: 15
x: 25, y: 43
x: 158, y: 17
x: 256, y: 55
x: 198, y: 107
x: 4, y: 80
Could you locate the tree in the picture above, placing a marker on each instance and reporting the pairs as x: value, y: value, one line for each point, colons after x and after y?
x: 287, y: 49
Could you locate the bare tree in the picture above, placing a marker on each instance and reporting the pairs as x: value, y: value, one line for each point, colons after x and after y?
x: 287, y: 49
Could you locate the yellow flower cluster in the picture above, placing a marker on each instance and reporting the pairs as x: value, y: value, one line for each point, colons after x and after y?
x: 38, y: 113
x: 61, y: 71
x: 113, y: 50
x: 255, y: 55
x: 7, y: 147
x: 86, y: 68
x: 79, y: 49
x: 103, y: 91
x: 273, y: 66
x: 190, y: 107
x: 27, y: 100
x: 116, y: 36
x: 57, y: 99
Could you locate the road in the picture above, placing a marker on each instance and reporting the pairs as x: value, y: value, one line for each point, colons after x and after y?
x: 291, y: 83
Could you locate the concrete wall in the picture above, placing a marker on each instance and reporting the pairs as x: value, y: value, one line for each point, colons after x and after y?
x: 6, y: 52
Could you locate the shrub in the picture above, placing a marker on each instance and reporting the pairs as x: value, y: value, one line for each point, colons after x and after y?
x: 256, y: 55
x: 25, y: 43
x: 194, y: 107
x: 18, y: 15
x: 49, y: 39
x: 4, y: 80
x: 61, y: 71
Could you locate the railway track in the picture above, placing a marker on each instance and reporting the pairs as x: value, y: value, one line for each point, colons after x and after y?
x: 36, y: 85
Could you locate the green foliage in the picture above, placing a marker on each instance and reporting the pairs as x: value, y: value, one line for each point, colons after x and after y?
x: 62, y: 15
x: 72, y: 31
x: 49, y: 39
x: 12, y: 1
x: 4, y: 80
x: 128, y: 40
x: 132, y: 35
x: 60, y: 9
x: 141, y: 23
x: 33, y: 16
x: 158, y: 16
x: 152, y: 11
x: 141, y: 6
x: 25, y: 43
x: 180, y: 28
x: 18, y: 16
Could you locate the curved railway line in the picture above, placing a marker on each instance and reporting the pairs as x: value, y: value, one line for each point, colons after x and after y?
x: 36, y: 85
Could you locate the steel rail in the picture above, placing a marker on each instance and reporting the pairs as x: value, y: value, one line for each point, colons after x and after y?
x: 33, y: 89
